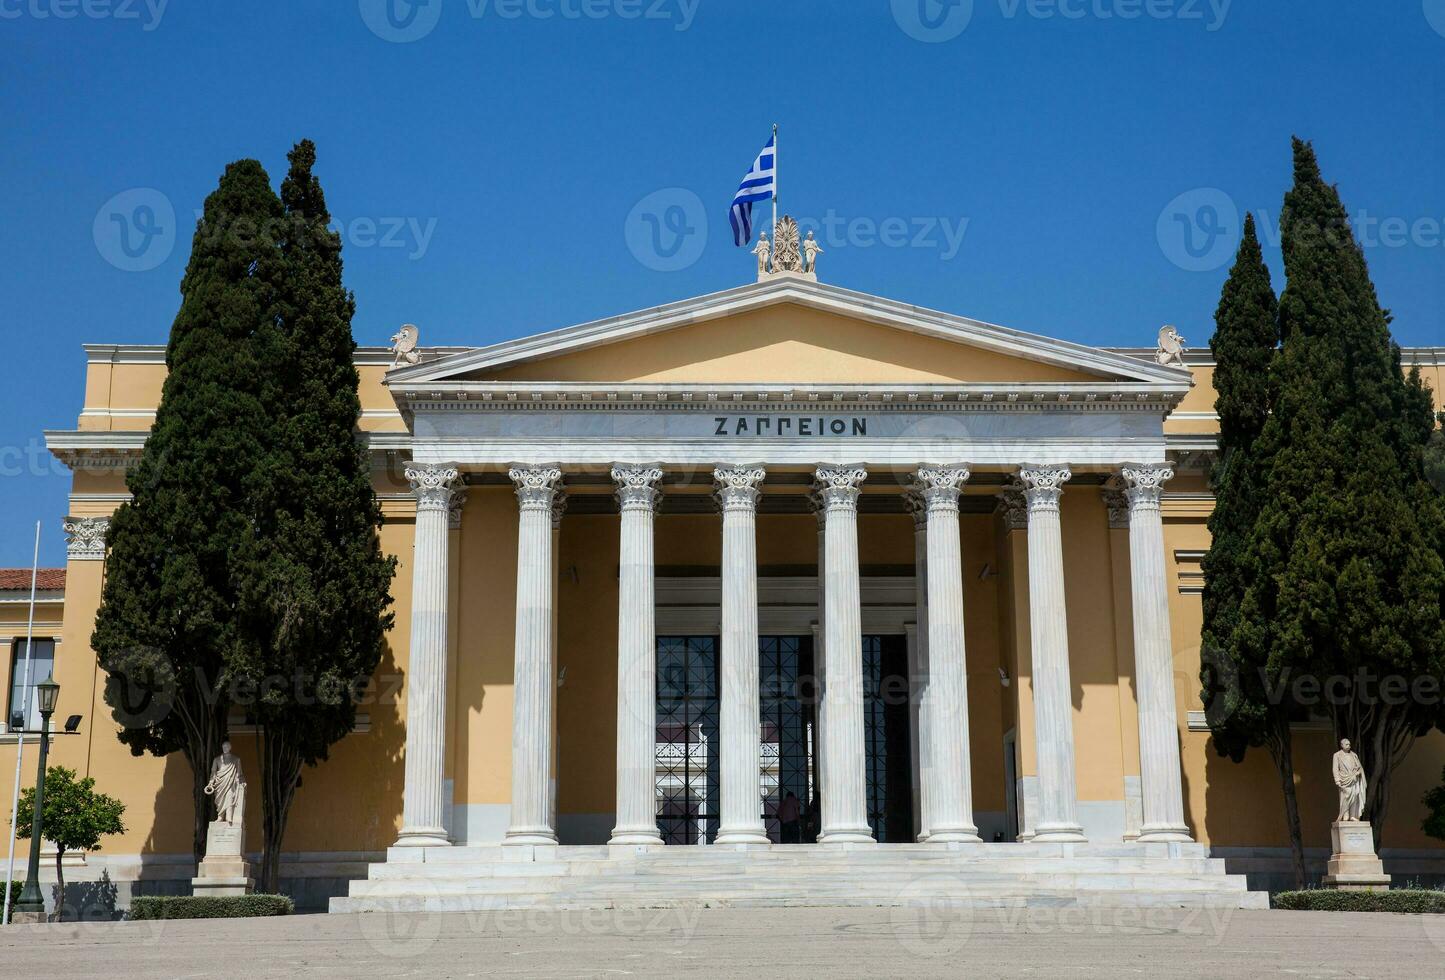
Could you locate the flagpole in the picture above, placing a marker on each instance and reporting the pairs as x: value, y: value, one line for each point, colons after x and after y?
x: 775, y: 184
x: 20, y: 739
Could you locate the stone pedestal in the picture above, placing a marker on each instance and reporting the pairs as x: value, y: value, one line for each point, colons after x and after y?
x: 223, y: 871
x: 1354, y: 866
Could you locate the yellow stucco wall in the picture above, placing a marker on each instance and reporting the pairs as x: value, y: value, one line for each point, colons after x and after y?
x: 352, y: 802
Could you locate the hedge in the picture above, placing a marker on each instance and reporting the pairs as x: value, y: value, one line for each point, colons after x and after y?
x: 1413, y: 901
x: 210, y: 906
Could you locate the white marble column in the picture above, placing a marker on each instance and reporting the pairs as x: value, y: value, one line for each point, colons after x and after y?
x: 1049, y: 638
x: 559, y: 508
x: 949, y: 776
x: 533, y: 686
x: 918, y: 665
x: 740, y: 718
x: 637, y: 495
x: 820, y: 660
x: 423, y: 822
x: 845, y: 782
x: 1159, y: 770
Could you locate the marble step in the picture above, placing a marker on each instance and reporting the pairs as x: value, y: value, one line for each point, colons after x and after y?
x: 810, y: 885
x: 788, y: 852
x: 555, y: 902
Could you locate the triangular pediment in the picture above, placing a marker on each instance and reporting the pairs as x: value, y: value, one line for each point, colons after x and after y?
x: 788, y: 332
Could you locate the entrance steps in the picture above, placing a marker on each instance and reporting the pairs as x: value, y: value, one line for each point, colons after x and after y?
x: 487, y: 878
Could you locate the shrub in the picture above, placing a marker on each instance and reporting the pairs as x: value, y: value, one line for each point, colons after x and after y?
x: 1410, y: 901
x: 210, y: 906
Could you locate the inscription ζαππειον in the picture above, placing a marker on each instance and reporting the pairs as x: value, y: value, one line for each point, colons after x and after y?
x: 805, y: 426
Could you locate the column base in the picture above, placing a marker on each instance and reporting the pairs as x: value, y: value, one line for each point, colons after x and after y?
x: 956, y: 835
x: 748, y: 835
x: 847, y: 836
x: 1059, y: 834
x: 1164, y: 835
x: 635, y: 837
x: 530, y: 837
x: 423, y: 837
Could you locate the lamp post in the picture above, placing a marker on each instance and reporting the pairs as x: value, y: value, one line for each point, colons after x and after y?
x: 31, y: 902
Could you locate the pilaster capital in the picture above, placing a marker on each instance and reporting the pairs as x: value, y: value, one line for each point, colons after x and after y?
x: 1116, y: 501
x: 940, y: 485
x: 537, y: 485
x: 1014, y: 509
x: 454, y: 508
x: 1043, y: 486
x: 85, y: 538
x: 917, y: 508
x: 1144, y: 483
x: 433, y: 484
x: 738, y: 486
x: 820, y: 508
x: 559, y: 507
x: 839, y: 485
x: 636, y: 485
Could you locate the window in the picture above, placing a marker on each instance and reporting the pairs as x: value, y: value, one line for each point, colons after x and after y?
x: 22, y: 698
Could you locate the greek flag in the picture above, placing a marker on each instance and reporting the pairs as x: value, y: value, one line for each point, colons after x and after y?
x: 760, y: 184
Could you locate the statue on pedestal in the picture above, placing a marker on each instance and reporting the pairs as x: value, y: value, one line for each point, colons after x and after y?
x: 811, y: 251
x: 1350, y: 778
x: 1353, y: 863
x: 224, y: 870
x: 763, y: 250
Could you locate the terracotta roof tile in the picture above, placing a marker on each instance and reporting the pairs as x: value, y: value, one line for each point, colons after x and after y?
x: 18, y: 580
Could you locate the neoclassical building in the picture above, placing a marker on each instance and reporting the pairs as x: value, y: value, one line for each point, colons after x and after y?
x: 785, y: 566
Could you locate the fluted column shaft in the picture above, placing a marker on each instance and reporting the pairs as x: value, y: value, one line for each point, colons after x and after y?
x: 637, y: 495
x: 1159, y: 771
x: 740, y: 712
x: 949, y: 774
x: 845, y: 782
x: 918, y: 666
x: 424, y: 793
x: 1049, y: 639
x: 820, y: 645
x: 532, y: 677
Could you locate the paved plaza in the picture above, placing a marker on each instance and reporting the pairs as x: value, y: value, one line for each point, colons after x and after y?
x: 796, y: 943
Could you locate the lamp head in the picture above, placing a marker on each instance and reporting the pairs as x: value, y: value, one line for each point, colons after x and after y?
x: 47, y: 692
x: 72, y: 724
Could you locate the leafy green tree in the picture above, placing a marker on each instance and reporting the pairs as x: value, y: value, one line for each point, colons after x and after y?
x: 75, y: 817
x: 1240, y: 693
x: 1434, y: 801
x: 1435, y: 457
x: 166, y: 634
x: 314, y: 606
x: 1344, y: 571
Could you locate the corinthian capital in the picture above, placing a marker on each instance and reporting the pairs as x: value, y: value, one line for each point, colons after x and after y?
x: 636, y: 486
x: 939, y: 486
x: 839, y: 485
x: 738, y: 486
x: 85, y: 538
x: 536, y: 485
x: 1144, y: 483
x: 1043, y: 485
x: 433, y: 484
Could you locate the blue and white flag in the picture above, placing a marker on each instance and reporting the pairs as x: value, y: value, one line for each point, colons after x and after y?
x: 761, y: 184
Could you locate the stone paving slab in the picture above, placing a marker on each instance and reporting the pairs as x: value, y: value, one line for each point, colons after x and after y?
x: 793, y: 943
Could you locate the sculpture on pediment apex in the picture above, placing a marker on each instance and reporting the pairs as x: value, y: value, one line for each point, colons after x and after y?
x: 787, y: 247
x: 763, y: 250
x: 1170, y: 351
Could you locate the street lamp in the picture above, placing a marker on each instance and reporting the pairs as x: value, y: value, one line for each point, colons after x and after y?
x: 31, y: 901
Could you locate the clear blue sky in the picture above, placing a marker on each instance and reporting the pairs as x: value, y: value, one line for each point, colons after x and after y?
x: 499, y: 173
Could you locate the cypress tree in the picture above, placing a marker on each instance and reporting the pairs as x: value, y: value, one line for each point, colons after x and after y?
x: 1345, y: 577
x: 315, y: 609
x: 165, y: 633
x: 1240, y: 694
